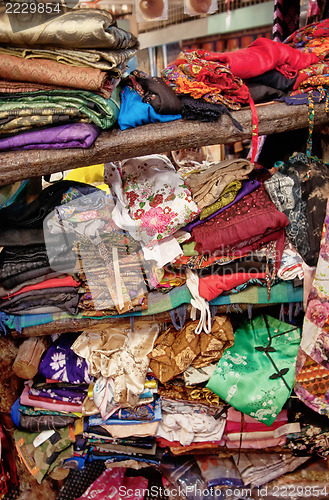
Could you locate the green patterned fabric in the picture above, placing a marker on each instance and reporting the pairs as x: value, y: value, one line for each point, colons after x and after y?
x: 49, y: 455
x: 103, y: 112
x: 257, y: 374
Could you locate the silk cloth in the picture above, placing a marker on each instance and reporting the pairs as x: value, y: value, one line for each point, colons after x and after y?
x: 226, y: 197
x: 312, y: 370
x: 105, y: 60
x: 246, y: 225
x: 73, y: 135
x: 256, y: 375
x: 174, y: 351
x: 247, y: 187
x: 60, y: 363
x: 134, y: 112
x: 190, y: 428
x: 195, y: 74
x: 119, y: 354
x: 49, y: 72
x: 157, y: 197
x: 261, y: 56
x: 285, y: 192
x: 78, y: 28
x: 25, y: 109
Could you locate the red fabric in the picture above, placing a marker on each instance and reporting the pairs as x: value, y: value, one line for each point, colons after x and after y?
x: 163, y: 442
x: 212, y: 286
x: 246, y: 225
x: 52, y: 283
x: 261, y: 56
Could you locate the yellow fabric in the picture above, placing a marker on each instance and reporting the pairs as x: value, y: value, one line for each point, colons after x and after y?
x: 94, y: 174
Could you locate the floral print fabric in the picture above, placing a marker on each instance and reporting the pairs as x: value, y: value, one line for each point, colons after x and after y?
x: 313, y: 363
x: 60, y: 363
x: 157, y: 197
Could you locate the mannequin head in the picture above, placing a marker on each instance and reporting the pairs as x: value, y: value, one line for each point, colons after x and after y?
x: 200, y: 6
x: 151, y: 9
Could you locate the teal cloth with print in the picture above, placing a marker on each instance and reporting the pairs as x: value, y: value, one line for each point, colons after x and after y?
x: 257, y: 374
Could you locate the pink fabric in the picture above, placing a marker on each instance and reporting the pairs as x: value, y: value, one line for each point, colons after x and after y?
x: 234, y: 415
x: 233, y: 422
x: 55, y: 405
x: 113, y: 484
x: 264, y: 55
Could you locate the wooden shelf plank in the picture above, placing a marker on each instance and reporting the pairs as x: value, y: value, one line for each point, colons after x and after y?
x: 156, y: 138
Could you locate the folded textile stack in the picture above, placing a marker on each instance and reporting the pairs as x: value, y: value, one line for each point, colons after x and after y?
x: 83, y: 375
x: 51, y: 78
x: 242, y: 431
x: 29, y: 284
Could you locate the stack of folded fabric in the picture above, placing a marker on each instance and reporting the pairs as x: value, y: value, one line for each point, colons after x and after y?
x: 50, y: 77
x: 29, y: 284
x: 51, y: 402
x: 103, y: 377
x: 242, y: 431
x: 190, y: 418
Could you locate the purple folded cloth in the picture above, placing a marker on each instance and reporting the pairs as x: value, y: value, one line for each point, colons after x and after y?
x: 247, y: 187
x: 72, y: 135
x: 65, y: 394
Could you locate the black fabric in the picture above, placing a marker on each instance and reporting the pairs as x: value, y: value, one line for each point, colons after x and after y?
x: 274, y: 79
x: 263, y: 93
x: 33, y: 214
x: 155, y: 92
x: 65, y: 298
x: 79, y: 480
x: 201, y: 110
x: 314, y: 182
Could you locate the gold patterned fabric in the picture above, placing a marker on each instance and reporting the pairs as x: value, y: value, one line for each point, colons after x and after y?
x: 177, y: 390
x: 228, y: 195
x: 104, y: 60
x: 78, y: 28
x: 174, y: 351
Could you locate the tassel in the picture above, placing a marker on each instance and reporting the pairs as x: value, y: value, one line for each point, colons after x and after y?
x: 213, y: 310
x: 132, y: 323
x: 179, y: 312
x: 281, y: 316
x: 290, y: 312
x: 3, y: 326
x: 249, y: 311
x: 298, y: 308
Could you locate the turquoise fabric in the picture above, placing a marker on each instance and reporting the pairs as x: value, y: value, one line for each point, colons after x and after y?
x: 135, y: 112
